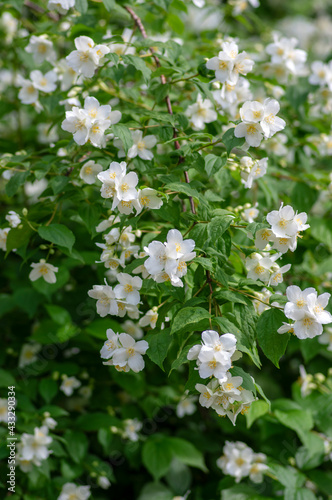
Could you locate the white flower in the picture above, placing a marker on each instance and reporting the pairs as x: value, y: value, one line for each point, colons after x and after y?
x: 72, y: 492
x: 316, y: 307
x: 41, y: 48
x: 186, y: 406
x: 128, y: 288
x: 252, y: 169
x: 147, y: 198
x: 28, y: 354
x: 130, y: 354
x: 132, y: 329
x: 78, y: 123
x: 69, y: 384
x: 106, y: 303
x: 28, y: 94
x: 49, y: 421
x: 111, y: 177
x: 306, y: 382
x: 61, y: 6
x: 252, y: 132
x: 67, y: 77
x: 3, y: 410
x: 258, y: 468
x: 103, y: 482
x: 282, y: 222
x: 277, y: 276
x: 125, y: 189
x: 297, y: 301
x: 158, y: 254
x: 3, y: 238
x: 230, y: 63
x: 176, y: 245
x: 89, y: 171
x: 34, y: 446
x: 207, y: 396
x: 42, y: 269
x: 46, y: 82
x: 270, y: 122
x: 237, y: 460
x: 150, y: 318
x: 321, y: 74
x: 9, y: 25
x: 250, y: 214
x: 110, y: 345
x: 201, y: 113
x: 141, y: 146
x: 131, y: 429
x: 87, y: 57
x: 259, y: 267
x: 326, y: 338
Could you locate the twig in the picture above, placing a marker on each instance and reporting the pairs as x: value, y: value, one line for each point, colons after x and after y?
x: 140, y: 26
x: 40, y: 10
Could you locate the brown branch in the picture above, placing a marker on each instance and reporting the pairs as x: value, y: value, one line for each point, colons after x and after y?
x: 140, y: 26
x: 40, y: 10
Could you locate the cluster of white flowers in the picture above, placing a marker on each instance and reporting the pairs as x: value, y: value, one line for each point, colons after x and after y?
x: 286, y: 59
x: 201, y: 113
x: 286, y: 225
x: 88, y: 124
x: 168, y: 261
x: 123, y: 352
x: 240, y: 461
x: 33, y: 448
x: 264, y: 268
x: 120, y: 186
x: 252, y: 169
x: 258, y: 121
x: 70, y: 491
x: 306, y: 309
x: 223, y: 393
x: 230, y: 63
x: 123, y: 299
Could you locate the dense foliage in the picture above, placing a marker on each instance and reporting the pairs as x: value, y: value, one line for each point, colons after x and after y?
x: 166, y: 249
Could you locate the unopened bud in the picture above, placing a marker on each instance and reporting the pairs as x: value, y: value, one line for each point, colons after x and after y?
x: 43, y: 247
x: 20, y: 226
x: 52, y: 251
x: 25, y: 212
x: 55, y: 375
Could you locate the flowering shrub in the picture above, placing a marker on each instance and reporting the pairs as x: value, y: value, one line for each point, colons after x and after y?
x: 166, y: 249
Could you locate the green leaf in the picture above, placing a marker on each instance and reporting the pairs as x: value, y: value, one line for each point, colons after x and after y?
x: 18, y: 236
x: 81, y: 6
x: 272, y: 343
x: 95, y: 421
x: 159, y: 343
x: 189, y: 319
x: 230, y: 141
x: 247, y: 381
x: 139, y: 64
x: 58, y: 183
x: 58, y: 234
x: 77, y: 445
x: 182, y: 187
x: 175, y: 23
x: 6, y: 379
x: 60, y: 315
x: 90, y: 214
x: 109, y: 4
x: 298, y: 420
x: 257, y: 409
x: 16, y: 182
x: 187, y: 453
x: 321, y: 230
x: 214, y: 163
x: 123, y: 133
x: 219, y: 225
x: 48, y: 389
x: 157, y: 456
